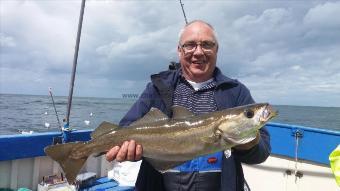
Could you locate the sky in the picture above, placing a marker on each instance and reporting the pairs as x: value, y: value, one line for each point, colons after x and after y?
x: 285, y: 52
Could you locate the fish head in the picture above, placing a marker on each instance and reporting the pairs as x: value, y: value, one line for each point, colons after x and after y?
x: 240, y: 125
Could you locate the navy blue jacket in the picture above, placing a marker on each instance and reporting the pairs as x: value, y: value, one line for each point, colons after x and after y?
x: 228, y: 93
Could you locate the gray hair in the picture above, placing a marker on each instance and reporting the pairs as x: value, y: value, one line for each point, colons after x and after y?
x: 195, y: 21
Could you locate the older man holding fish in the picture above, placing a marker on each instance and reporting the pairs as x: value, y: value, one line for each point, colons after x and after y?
x: 192, y: 126
x: 200, y: 87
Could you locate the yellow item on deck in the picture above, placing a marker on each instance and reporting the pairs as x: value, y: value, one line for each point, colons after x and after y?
x: 334, y: 159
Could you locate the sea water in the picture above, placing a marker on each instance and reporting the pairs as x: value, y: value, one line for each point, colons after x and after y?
x: 25, y: 113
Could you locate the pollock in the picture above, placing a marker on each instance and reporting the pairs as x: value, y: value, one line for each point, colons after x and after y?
x: 168, y: 142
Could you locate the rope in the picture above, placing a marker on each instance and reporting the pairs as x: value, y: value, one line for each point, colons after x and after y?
x: 297, y: 173
x: 296, y: 154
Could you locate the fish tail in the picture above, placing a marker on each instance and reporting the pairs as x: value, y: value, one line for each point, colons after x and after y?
x: 61, y: 153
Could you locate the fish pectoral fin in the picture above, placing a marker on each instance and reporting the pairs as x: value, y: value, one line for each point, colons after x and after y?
x: 213, y: 138
x: 104, y: 128
x: 154, y: 115
x: 163, y: 165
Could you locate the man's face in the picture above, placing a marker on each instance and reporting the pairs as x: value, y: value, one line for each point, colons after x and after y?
x: 198, y: 52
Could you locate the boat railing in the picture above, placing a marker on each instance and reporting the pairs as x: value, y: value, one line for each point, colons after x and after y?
x: 303, y: 143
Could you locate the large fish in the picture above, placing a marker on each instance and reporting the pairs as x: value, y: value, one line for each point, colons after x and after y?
x: 168, y: 142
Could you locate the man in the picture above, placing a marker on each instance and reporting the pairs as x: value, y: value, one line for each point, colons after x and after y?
x: 199, y: 86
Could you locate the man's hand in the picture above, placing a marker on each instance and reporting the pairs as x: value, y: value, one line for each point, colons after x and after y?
x: 129, y: 151
x: 249, y: 145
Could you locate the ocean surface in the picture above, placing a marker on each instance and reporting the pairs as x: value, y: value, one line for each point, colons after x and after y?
x: 25, y: 113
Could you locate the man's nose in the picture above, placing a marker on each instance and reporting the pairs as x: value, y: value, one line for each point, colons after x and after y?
x: 198, y: 50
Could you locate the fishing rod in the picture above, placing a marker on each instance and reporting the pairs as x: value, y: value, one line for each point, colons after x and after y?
x: 74, y: 68
x: 182, y: 5
x: 55, y: 109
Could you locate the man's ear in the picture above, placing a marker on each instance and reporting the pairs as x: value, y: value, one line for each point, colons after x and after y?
x: 179, y: 51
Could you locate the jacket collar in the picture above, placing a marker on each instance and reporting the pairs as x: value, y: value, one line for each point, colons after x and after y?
x: 170, y: 77
x: 222, y: 79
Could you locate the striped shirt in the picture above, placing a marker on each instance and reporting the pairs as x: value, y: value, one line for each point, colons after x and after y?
x: 197, y: 101
x: 197, y: 174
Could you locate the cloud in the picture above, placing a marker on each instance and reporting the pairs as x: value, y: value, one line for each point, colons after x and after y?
x: 42, y: 36
x: 6, y: 41
x: 324, y: 16
x: 286, y: 52
x: 141, y: 44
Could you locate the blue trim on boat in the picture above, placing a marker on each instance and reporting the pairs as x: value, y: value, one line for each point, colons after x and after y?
x: 314, y: 144
x: 32, y: 145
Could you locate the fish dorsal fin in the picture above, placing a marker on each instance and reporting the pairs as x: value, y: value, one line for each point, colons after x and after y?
x: 162, y: 165
x: 104, y: 128
x: 154, y: 115
x: 179, y: 112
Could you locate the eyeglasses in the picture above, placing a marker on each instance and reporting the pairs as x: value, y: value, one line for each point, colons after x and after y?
x: 191, y: 46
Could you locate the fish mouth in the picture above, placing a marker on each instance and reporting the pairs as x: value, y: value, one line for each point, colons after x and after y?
x: 268, y: 113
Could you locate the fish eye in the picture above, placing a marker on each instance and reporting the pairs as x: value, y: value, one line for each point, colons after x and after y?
x: 249, y: 113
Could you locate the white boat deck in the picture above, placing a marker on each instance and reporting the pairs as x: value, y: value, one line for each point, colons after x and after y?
x: 278, y: 174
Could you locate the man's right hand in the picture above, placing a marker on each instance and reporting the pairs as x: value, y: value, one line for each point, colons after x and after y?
x: 128, y: 151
